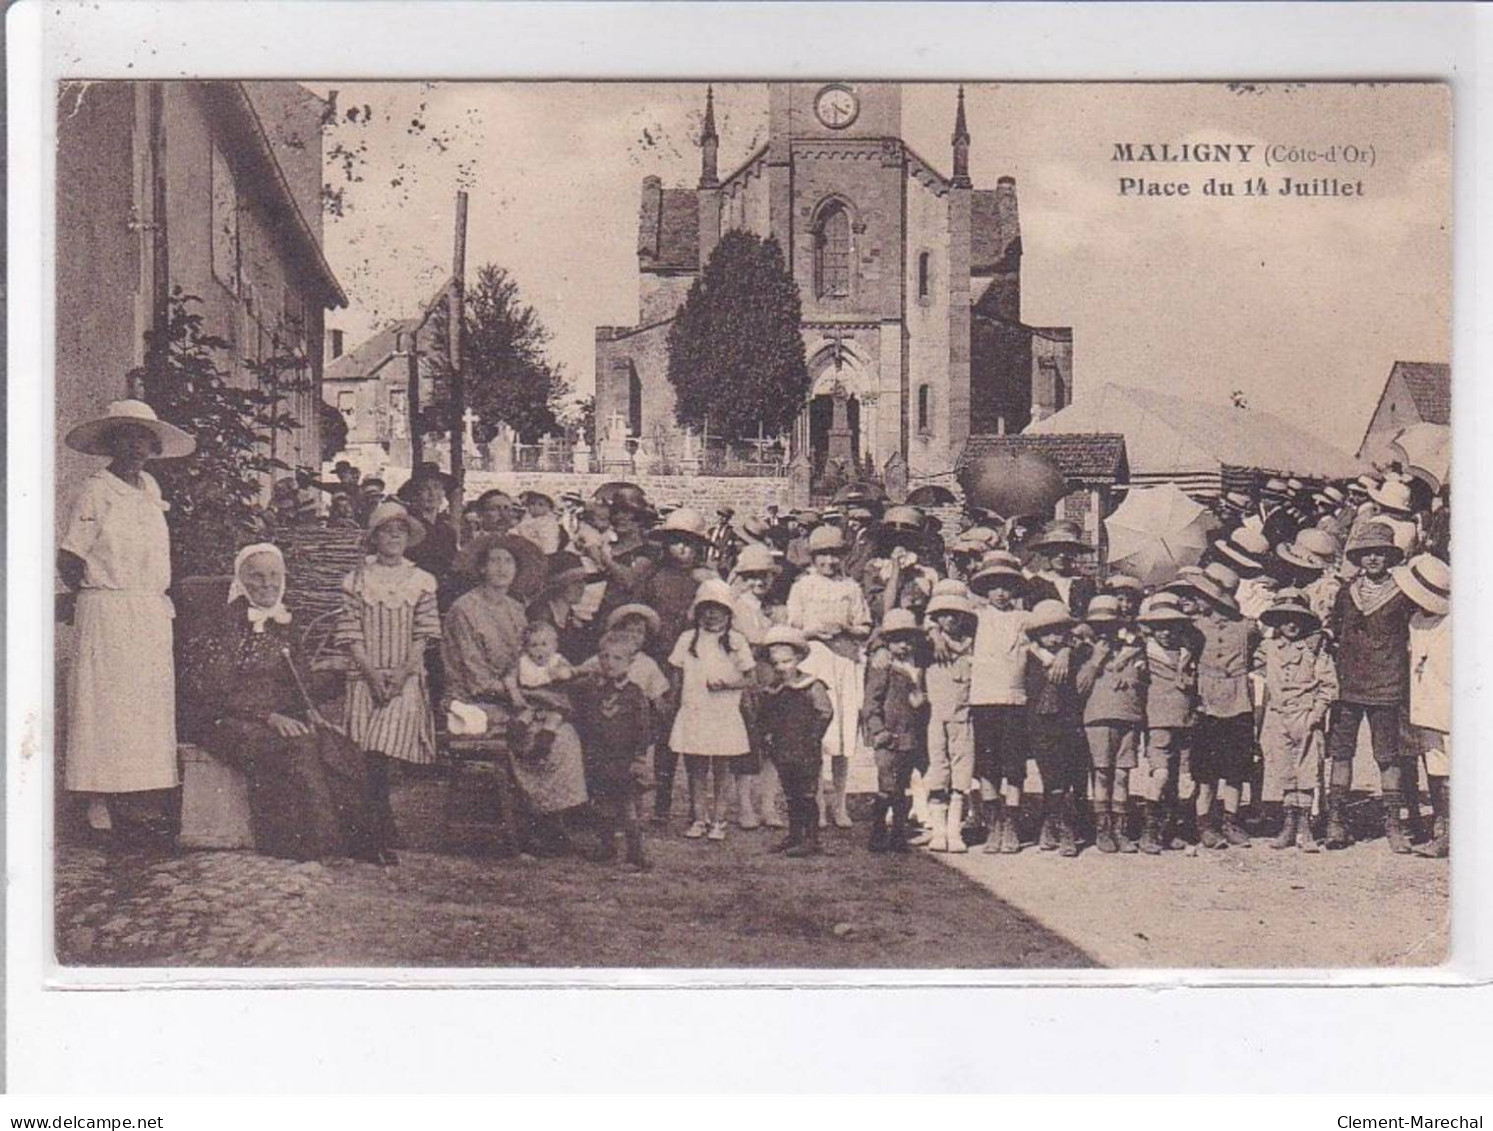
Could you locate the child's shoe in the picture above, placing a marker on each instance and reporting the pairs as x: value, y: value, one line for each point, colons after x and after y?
x: 1150, y: 836
x: 1337, y: 823
x: 954, y: 825
x: 1010, y: 834
x: 696, y: 830
x: 717, y: 831
x: 635, y: 860
x: 1394, y: 832
x: 1067, y: 838
x: 997, y: 831
x: 1287, y: 836
x: 1304, y: 838
x: 1117, y: 823
x: 879, y: 807
x: 1233, y: 832
x: 1208, y: 834
x: 1047, y: 836
x: 809, y: 846
x: 1104, y: 833
x: 771, y: 820
x: 747, y: 818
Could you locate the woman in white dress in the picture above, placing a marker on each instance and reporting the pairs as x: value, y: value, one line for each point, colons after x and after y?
x: 116, y: 556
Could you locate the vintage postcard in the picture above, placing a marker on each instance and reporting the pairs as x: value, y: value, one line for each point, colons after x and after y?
x: 778, y: 525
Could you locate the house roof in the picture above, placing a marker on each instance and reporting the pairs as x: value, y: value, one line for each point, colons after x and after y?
x: 1171, y: 436
x: 372, y: 354
x: 1095, y: 457
x: 1430, y: 385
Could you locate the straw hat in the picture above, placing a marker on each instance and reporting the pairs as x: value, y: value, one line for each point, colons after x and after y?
x: 1376, y: 537
x: 1295, y: 486
x: 1312, y: 548
x: 949, y: 601
x: 755, y: 558
x: 998, y: 565
x: 1161, y: 609
x: 1060, y: 536
x: 1117, y: 581
x: 1274, y: 486
x: 1290, y: 604
x: 1238, y: 500
x: 1362, y: 485
x: 827, y: 540
x: 528, y: 497
x: 1245, y: 546
x: 902, y: 520
x: 752, y: 530
x: 1426, y: 580
x: 1103, y: 609
x: 390, y: 511
x: 682, y: 524
x: 1222, y: 576
x: 622, y: 612
x: 1330, y: 496
x: 712, y: 592
x: 898, y: 622
x: 1393, y: 496
x: 92, y: 436
x: 785, y: 634
x: 1049, y: 615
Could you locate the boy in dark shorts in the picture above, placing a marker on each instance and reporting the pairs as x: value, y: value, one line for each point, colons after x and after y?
x: 1112, y: 681
x: 1171, y: 713
x: 794, y: 712
x: 896, y: 724
x: 1055, y: 725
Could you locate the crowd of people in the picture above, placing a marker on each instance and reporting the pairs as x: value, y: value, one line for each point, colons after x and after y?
x: 780, y: 655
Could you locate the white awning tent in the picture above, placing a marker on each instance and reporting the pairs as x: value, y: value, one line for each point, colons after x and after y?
x: 1197, y: 445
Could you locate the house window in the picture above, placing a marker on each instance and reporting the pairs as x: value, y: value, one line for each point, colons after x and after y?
x: 224, y: 221
x: 923, y: 273
x: 832, y: 253
x: 924, y: 415
x: 347, y: 402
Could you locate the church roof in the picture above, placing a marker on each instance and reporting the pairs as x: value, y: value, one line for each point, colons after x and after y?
x: 1172, y: 436
x: 995, y: 229
x: 1430, y: 385
x: 1096, y: 457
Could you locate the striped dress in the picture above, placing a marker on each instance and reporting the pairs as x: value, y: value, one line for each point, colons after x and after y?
x: 388, y: 609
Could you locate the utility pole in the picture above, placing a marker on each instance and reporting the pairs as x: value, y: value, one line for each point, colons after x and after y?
x: 412, y: 398
x: 456, y: 305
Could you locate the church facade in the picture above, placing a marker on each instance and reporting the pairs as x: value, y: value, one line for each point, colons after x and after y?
x: 910, y: 283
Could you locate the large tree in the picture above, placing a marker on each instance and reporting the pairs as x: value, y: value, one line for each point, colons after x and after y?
x: 509, y: 378
x: 736, y: 354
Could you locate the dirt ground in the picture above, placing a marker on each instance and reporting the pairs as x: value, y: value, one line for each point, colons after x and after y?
x: 732, y: 904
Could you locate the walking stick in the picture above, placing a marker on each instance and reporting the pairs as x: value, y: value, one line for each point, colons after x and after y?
x: 316, y: 716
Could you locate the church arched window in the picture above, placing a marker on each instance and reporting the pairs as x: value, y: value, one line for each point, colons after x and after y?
x: 925, y: 396
x: 924, y: 275
x: 832, y: 252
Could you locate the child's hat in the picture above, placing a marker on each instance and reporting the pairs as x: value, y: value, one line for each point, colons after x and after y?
x: 1238, y: 500
x: 998, y: 566
x: 1246, y: 546
x: 1426, y: 580
x: 682, y: 524
x: 1373, y: 537
x: 785, y: 634
x: 1394, y: 496
x: 752, y: 530
x: 531, y: 496
x: 712, y: 592
x: 827, y: 540
x: 390, y: 511
x: 1162, y: 609
x: 1103, y: 609
x: 622, y: 612
x: 1124, y: 581
x: 898, y: 622
x: 1290, y: 604
x: 949, y: 601
x: 1222, y: 576
x: 1060, y: 536
x: 1215, y: 591
x: 1312, y: 549
x: 755, y: 557
x: 1048, y: 615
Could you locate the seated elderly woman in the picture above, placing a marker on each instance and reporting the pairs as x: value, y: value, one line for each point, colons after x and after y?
x: 307, y: 782
x: 481, y: 642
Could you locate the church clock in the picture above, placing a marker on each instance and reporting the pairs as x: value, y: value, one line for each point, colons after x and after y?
x: 836, y: 106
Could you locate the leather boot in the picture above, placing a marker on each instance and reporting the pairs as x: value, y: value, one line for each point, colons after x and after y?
x: 897, y: 838
x: 1150, y: 837
x: 953, y: 829
x: 1118, y: 822
x: 1394, y: 828
x: 635, y: 856
x: 940, y: 818
x: 1047, y: 837
x: 1067, y: 832
x: 1011, y: 831
x: 810, y: 844
x: 1233, y: 831
x: 795, y: 835
x: 997, y: 830
x: 1305, y: 840
x: 879, y: 809
x: 1337, y: 822
x: 1439, y: 846
x: 1208, y: 834
x: 1286, y: 838
x: 1410, y: 790
x: 1104, y: 832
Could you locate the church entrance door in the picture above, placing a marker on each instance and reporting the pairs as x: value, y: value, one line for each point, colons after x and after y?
x: 834, y: 439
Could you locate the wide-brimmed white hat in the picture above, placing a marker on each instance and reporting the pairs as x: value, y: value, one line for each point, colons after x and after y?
x: 713, y: 592
x: 1245, y: 546
x: 92, y: 436
x: 1311, y: 549
x: 1049, y: 614
x: 785, y: 634
x: 1393, y: 495
x: 390, y: 511
x: 1426, y: 580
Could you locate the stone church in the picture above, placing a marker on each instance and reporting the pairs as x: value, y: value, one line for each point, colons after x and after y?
x: 910, y: 283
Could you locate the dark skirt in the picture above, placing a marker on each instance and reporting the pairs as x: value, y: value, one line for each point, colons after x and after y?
x: 307, y: 795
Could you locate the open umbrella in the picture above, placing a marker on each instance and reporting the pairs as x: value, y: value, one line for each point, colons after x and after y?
x: 1156, y: 531
x: 1013, y: 483
x: 931, y: 495
x: 1425, y: 451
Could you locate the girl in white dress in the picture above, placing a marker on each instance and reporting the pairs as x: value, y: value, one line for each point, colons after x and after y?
x: 116, y: 554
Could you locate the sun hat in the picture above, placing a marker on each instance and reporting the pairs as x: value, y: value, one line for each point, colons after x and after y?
x: 752, y: 530
x: 1312, y: 548
x: 1393, y: 496
x: 1274, y: 486
x: 983, y: 536
x: 390, y: 511
x: 529, y: 496
x: 997, y: 565
x: 1117, y: 581
x: 712, y: 592
x: 682, y: 524
x: 1373, y: 536
x: 1215, y: 594
x: 908, y: 520
x: 1426, y: 580
x: 425, y: 473
x: 1238, y: 500
x: 574, y: 498
x: 1290, y: 604
x: 949, y: 602
x: 1222, y: 576
x: 1185, y: 581
x: 1162, y: 608
x: 898, y: 622
x: 647, y: 613
x: 92, y: 436
x: 785, y: 634
x: 1049, y: 614
x: 755, y: 557
x: 950, y: 587
x: 1295, y: 486
x: 1103, y: 609
x: 1363, y: 485
x: 805, y: 517
x: 1245, y: 546
x: 827, y: 540
x: 1060, y: 535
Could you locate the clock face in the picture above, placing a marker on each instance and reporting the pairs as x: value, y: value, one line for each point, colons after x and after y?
x: 836, y: 106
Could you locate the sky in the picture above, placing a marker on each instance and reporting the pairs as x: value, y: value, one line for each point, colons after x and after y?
x: 1301, y: 304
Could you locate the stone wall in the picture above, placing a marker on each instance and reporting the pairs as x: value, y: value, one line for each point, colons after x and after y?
x: 705, y: 493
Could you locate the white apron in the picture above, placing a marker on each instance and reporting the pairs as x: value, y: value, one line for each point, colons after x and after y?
x: 121, y: 735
